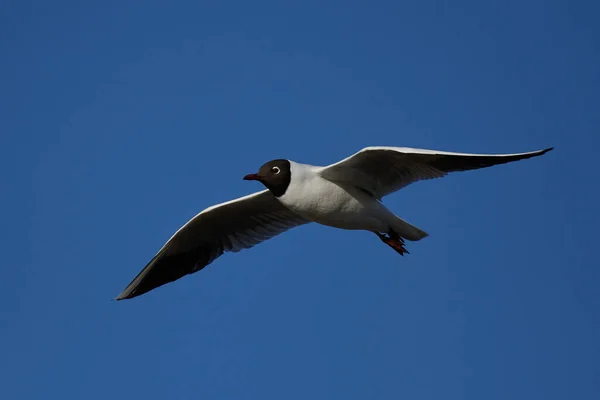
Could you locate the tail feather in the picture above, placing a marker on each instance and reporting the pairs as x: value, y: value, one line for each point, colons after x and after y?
x: 408, y: 231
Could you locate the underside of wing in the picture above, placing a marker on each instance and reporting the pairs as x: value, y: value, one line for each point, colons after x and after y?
x: 232, y: 226
x: 384, y: 170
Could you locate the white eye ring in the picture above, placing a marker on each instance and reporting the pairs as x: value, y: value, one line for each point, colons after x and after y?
x: 275, y: 170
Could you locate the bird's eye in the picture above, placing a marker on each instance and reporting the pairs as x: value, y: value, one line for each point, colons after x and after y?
x: 275, y: 170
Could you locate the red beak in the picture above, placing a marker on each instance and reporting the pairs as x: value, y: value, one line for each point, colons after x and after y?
x: 252, y: 177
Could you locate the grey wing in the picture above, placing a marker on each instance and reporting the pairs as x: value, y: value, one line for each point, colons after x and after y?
x: 231, y: 226
x: 384, y: 170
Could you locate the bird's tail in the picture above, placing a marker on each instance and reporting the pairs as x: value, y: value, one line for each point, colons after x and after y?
x: 407, y: 231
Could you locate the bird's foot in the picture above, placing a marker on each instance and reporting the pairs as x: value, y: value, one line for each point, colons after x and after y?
x: 394, y: 241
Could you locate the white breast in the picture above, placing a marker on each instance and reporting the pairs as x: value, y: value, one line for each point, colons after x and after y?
x: 324, y: 202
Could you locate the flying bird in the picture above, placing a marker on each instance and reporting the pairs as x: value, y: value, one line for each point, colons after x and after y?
x: 345, y: 195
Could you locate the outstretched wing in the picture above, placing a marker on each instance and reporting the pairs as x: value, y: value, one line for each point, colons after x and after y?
x: 231, y: 226
x: 384, y: 170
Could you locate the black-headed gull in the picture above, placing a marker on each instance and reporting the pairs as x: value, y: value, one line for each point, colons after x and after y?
x: 344, y: 195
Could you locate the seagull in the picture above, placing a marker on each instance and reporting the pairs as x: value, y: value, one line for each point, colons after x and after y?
x: 344, y: 195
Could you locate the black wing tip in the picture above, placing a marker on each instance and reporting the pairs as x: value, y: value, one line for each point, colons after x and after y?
x: 535, y: 153
x: 124, y: 296
x: 165, y: 268
x: 138, y: 289
x: 129, y: 293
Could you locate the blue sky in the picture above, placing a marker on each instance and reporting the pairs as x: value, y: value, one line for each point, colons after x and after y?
x: 121, y: 120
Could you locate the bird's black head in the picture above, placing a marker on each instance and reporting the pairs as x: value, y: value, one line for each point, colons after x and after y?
x: 275, y: 175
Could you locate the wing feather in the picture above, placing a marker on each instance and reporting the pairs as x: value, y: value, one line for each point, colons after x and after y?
x: 228, y: 227
x: 384, y: 170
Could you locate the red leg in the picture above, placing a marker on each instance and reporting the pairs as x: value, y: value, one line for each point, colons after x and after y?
x: 394, y: 241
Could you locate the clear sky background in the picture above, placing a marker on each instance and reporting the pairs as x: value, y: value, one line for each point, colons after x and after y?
x: 120, y: 120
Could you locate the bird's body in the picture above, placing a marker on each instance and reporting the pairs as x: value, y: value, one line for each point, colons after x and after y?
x: 344, y: 195
x: 340, y: 206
